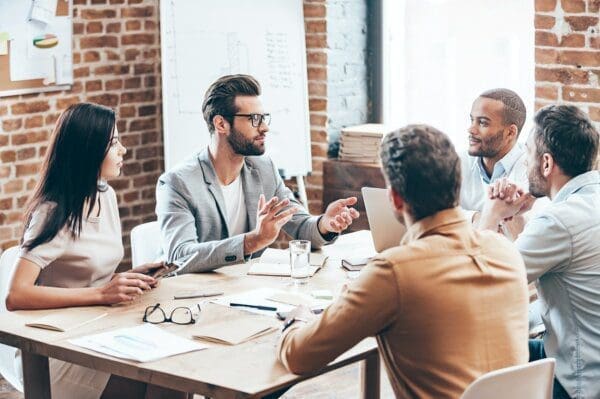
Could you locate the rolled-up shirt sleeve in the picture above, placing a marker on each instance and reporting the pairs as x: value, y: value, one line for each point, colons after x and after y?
x: 369, y: 305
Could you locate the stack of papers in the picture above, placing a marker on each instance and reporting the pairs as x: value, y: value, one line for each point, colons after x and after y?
x: 276, y: 262
x: 68, y: 319
x: 361, y: 143
x: 235, y: 331
x: 144, y: 343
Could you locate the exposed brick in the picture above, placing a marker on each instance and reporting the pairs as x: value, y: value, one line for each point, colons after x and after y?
x: 30, y: 107
x: 581, y: 23
x: 93, y: 85
x: 137, y: 12
x: 34, y: 121
x: 150, y: 81
x: 150, y: 25
x: 146, y: 110
x: 576, y: 94
x: 573, y: 40
x: 142, y: 124
x: 114, y: 27
x: 317, y: 104
x: 29, y: 137
x: 63, y: 103
x: 317, y: 57
x: 114, y: 84
x: 4, y: 172
x: 133, y: 83
x: 8, y: 156
x: 316, y: 41
x: 544, y: 21
x: 546, y: 92
x: 146, y: 152
x: 115, y: 69
x: 545, y: 5
x: 94, y: 27
x: 110, y: 100
x: 545, y: 39
x: 317, y: 89
x: 9, y: 125
x: 149, y: 137
x: 573, y: 6
x: 127, y: 111
x: 133, y: 25
x: 595, y: 114
x: 26, y: 153
x: 317, y: 73
x: 546, y: 56
x: 317, y: 26
x: 562, y: 75
x: 81, y: 72
x: 3, y: 140
x: 138, y: 96
x: 98, y: 14
x: 91, y: 56
x: 138, y: 38
x: 579, y: 58
x: 13, y: 186
x: 314, y: 10
x: 593, y: 5
x: 28, y: 169
x: 99, y: 42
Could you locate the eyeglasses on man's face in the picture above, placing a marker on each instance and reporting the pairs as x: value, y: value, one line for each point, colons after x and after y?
x: 257, y: 119
x: 180, y: 315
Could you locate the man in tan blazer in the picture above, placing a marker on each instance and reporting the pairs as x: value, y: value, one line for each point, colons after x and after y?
x: 447, y: 305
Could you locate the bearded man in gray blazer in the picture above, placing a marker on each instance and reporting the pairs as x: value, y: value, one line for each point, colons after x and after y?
x: 228, y: 202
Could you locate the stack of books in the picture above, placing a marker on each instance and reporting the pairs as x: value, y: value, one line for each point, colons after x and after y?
x: 361, y: 143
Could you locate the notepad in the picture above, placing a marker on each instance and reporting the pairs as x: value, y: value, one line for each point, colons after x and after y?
x: 234, y: 331
x: 143, y: 343
x: 276, y: 262
x: 68, y: 320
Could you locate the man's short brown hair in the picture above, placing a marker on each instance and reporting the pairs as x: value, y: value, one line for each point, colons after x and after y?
x: 422, y: 166
x: 220, y: 97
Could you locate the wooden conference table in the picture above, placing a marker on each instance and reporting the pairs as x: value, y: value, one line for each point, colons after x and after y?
x: 245, y: 370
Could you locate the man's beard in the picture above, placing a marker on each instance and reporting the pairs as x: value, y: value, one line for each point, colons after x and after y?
x: 537, y: 182
x: 489, y: 147
x: 243, y: 146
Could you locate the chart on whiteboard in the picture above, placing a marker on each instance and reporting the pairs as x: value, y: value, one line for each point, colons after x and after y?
x: 203, y: 43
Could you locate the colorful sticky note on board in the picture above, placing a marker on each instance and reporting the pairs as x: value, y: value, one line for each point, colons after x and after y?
x: 4, y: 36
x: 47, y: 40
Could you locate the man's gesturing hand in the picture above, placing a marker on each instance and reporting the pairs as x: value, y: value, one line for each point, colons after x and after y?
x: 270, y: 218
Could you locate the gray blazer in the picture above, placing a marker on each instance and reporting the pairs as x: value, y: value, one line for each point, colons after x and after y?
x: 191, y: 211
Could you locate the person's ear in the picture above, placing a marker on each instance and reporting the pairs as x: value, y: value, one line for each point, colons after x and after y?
x: 221, y: 124
x: 513, y: 131
x: 396, y: 200
x: 547, y: 164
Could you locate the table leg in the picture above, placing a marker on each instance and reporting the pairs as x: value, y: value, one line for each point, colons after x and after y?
x: 370, y: 378
x: 36, y: 376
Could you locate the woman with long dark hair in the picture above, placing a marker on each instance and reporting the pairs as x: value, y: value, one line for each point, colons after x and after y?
x: 71, y: 243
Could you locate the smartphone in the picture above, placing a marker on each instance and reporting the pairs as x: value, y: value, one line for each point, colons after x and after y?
x: 165, y: 270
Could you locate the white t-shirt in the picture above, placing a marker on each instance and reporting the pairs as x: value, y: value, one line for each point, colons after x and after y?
x: 235, y: 207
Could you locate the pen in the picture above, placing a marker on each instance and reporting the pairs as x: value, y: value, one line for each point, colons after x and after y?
x: 260, y: 307
x: 200, y: 295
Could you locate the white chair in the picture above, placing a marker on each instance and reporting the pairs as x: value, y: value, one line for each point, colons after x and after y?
x: 10, y: 361
x: 145, y: 243
x: 528, y: 381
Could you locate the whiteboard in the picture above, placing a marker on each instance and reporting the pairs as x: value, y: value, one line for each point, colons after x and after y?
x: 202, y: 40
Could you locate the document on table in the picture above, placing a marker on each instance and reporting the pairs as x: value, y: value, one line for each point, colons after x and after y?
x: 281, y: 301
x: 235, y: 331
x: 144, y: 343
x: 276, y: 262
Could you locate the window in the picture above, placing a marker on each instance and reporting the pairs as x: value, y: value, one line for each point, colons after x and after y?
x: 438, y: 55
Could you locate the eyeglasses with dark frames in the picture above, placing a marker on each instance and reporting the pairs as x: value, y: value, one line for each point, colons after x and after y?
x: 180, y: 315
x: 257, y: 119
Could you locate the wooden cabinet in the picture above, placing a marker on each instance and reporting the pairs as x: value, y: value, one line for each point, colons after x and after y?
x: 345, y: 179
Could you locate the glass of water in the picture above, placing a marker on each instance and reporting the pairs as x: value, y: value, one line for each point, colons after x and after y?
x: 299, y: 261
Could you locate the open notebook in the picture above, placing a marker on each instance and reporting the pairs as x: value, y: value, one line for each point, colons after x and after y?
x: 68, y: 320
x: 276, y: 262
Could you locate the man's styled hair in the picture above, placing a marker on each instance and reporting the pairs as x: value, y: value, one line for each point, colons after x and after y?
x: 421, y: 165
x: 566, y: 133
x: 220, y: 97
x: 514, y: 108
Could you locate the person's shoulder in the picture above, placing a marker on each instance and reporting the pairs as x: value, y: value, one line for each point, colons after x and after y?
x: 263, y: 163
x: 183, y: 171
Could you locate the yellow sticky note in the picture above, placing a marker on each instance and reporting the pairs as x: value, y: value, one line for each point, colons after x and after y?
x: 4, y: 43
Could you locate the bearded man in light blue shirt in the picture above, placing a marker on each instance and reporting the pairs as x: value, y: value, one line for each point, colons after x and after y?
x: 561, y: 245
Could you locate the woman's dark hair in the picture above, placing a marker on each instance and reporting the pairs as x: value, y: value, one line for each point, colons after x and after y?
x: 71, y: 169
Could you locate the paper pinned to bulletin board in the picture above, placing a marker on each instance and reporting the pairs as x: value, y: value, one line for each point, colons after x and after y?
x: 35, y: 46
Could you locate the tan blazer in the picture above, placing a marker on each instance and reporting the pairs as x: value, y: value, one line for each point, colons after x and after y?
x: 446, y: 306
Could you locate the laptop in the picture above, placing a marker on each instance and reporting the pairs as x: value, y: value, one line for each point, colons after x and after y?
x: 386, y: 230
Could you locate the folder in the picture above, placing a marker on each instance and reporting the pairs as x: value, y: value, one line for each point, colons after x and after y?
x: 276, y: 262
x: 68, y: 319
x: 234, y: 331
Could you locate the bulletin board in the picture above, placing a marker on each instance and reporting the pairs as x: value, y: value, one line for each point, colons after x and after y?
x: 45, y: 67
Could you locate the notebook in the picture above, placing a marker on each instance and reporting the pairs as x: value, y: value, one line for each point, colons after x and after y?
x: 234, y: 331
x: 68, y: 320
x: 276, y: 262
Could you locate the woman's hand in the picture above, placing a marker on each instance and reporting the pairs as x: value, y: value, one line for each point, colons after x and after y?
x: 125, y: 287
x: 150, y: 269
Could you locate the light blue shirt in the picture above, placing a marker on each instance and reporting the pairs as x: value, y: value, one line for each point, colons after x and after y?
x: 561, y: 250
x: 473, y: 190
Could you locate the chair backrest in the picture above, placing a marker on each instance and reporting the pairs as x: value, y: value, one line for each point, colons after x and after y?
x: 528, y: 381
x: 10, y: 367
x: 145, y: 243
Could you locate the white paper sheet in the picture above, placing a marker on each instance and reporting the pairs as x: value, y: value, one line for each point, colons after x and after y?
x: 43, y: 10
x: 144, y: 343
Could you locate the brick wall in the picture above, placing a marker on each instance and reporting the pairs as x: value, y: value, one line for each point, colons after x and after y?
x: 116, y: 55
x: 116, y: 47
x: 567, y: 54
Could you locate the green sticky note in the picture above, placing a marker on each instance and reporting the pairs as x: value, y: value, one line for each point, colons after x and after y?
x: 4, y: 43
